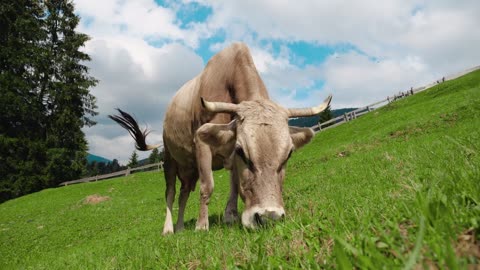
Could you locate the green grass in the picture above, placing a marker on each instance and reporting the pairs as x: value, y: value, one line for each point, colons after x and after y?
x: 396, y: 188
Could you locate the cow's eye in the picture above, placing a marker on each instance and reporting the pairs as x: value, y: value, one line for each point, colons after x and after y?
x: 289, y: 155
x: 285, y: 162
x: 239, y: 151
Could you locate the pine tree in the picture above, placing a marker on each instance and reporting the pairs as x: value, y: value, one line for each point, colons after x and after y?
x: 325, y: 116
x: 23, y: 157
x: 154, y: 156
x: 115, y: 167
x: 44, y: 97
x: 133, y: 162
x: 64, y: 89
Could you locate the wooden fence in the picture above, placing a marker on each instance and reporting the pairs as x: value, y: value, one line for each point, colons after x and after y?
x: 363, y: 110
x: 114, y: 174
x: 317, y: 128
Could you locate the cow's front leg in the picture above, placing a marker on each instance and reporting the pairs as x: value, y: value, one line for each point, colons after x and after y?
x: 204, y: 163
x: 231, y: 210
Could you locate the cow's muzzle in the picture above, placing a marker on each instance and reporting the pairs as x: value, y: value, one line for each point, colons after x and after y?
x: 259, y: 216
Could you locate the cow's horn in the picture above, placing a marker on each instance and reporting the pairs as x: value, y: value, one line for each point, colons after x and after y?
x: 310, y: 111
x: 219, y: 107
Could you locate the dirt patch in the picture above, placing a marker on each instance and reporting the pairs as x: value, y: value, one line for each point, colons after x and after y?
x: 468, y: 245
x: 343, y: 154
x: 449, y: 117
x: 95, y: 199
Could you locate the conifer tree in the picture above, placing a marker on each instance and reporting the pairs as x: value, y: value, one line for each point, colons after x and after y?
x: 133, y: 162
x: 326, y: 115
x: 44, y: 97
x: 154, y: 156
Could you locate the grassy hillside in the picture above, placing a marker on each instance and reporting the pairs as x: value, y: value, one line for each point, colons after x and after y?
x: 396, y: 188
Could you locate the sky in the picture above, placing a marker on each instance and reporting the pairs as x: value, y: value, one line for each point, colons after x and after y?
x: 143, y: 51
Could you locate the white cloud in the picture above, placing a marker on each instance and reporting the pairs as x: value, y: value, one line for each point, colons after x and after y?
x: 415, y: 41
x: 142, y: 19
x: 139, y: 79
x: 399, y: 44
x: 357, y: 81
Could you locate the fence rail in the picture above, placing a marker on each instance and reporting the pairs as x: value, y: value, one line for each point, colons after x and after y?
x: 126, y: 172
x: 363, y: 110
x: 317, y: 128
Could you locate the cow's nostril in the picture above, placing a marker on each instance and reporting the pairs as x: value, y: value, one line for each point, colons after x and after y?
x: 282, y: 216
x: 258, y: 219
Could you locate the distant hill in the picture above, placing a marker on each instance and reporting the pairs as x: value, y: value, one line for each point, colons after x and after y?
x: 313, y: 120
x: 91, y: 158
x: 144, y: 161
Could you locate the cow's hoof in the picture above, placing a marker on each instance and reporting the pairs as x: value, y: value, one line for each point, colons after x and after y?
x: 179, y: 228
x: 230, y: 218
x: 201, y: 227
x: 167, y: 230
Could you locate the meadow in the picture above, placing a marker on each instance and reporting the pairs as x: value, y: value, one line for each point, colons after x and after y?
x: 398, y: 188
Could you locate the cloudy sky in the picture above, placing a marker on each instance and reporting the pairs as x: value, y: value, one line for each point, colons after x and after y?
x: 360, y: 51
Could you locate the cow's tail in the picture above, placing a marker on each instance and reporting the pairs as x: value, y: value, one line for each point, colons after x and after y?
x: 128, y: 122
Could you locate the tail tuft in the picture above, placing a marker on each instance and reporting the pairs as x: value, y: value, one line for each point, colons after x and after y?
x: 130, y: 124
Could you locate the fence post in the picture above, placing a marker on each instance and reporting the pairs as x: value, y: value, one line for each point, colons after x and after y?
x: 127, y: 173
x: 345, y: 117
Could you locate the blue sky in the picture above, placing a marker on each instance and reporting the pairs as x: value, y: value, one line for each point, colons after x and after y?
x: 360, y: 51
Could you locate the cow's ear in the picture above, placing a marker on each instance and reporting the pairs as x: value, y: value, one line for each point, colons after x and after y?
x: 218, y: 135
x: 300, y: 136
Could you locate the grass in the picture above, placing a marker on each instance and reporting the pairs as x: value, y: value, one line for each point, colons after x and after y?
x: 396, y: 188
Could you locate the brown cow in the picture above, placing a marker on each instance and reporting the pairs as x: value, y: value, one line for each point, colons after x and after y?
x: 224, y: 118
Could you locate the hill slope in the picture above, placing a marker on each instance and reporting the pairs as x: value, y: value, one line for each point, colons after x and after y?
x: 398, y: 187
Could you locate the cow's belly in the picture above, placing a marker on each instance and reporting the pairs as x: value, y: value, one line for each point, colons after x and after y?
x: 185, y: 157
x: 217, y: 163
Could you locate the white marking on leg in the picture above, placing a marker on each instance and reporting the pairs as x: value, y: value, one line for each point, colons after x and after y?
x: 168, y: 225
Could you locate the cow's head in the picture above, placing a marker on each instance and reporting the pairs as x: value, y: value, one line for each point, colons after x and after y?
x: 257, y: 145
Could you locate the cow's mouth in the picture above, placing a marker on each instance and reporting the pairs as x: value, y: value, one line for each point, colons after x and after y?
x: 260, y: 217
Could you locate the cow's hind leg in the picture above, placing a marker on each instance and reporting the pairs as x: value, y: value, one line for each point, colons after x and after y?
x: 170, y: 171
x: 188, y: 177
x: 231, y: 211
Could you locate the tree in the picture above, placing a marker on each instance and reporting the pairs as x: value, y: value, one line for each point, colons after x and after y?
x: 23, y: 158
x: 154, y: 156
x: 64, y: 89
x: 115, y: 167
x: 325, y: 116
x: 44, y: 97
x: 133, y: 160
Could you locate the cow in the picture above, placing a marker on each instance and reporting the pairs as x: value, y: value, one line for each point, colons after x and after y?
x: 224, y: 118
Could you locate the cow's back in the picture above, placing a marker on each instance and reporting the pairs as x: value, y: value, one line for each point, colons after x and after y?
x: 230, y: 76
x: 178, y: 130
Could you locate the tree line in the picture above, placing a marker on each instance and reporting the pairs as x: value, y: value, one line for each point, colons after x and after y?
x: 45, y: 97
x: 99, y: 168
